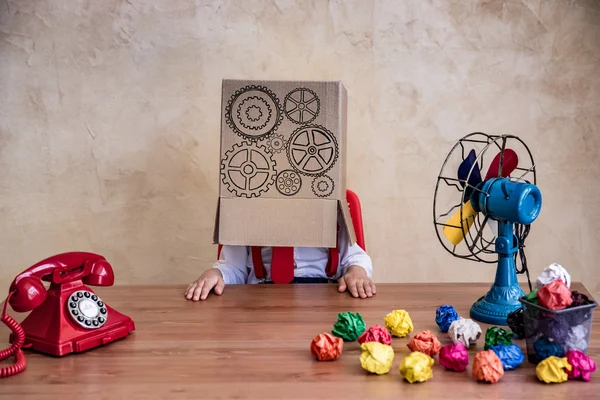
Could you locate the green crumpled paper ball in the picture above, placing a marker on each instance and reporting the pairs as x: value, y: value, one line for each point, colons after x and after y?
x: 495, y: 335
x: 349, y: 326
x: 532, y: 297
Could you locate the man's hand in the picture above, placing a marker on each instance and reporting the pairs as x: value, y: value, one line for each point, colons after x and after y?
x: 357, y: 282
x: 200, y: 288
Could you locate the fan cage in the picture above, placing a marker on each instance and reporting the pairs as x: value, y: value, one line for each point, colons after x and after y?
x: 476, y: 244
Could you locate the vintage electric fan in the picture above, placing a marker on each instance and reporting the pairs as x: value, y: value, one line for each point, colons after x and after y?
x: 485, y: 201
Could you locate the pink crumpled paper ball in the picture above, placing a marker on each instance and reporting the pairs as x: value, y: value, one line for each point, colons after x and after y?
x: 376, y: 333
x: 454, y: 357
x: 583, y: 366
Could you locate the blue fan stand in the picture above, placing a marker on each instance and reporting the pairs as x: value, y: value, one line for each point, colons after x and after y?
x: 508, y: 202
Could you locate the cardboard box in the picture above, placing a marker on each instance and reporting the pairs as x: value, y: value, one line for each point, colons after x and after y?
x: 283, y: 164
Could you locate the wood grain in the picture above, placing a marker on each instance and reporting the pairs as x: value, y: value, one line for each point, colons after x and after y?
x: 253, y: 342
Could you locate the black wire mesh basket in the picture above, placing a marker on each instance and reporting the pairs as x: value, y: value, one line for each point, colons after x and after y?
x: 554, y: 332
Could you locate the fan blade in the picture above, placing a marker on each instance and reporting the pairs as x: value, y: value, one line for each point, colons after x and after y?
x: 511, y: 160
x: 463, y: 173
x: 493, y: 225
x: 454, y: 234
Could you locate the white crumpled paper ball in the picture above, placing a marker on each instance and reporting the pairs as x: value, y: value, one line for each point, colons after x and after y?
x: 552, y: 272
x: 465, y: 331
x: 577, y: 338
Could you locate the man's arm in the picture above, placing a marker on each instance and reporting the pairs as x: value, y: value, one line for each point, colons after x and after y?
x: 233, y: 264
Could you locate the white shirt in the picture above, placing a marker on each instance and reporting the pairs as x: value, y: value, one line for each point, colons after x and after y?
x: 235, y: 262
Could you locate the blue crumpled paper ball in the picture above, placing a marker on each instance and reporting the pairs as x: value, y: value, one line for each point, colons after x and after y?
x: 510, y: 355
x: 444, y: 317
x: 545, y: 348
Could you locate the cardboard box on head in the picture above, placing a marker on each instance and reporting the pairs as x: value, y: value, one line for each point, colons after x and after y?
x: 283, y: 164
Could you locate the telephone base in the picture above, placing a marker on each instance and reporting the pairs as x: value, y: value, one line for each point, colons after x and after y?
x: 78, y: 345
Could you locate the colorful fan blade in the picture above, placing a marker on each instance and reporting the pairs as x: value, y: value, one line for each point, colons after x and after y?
x: 463, y: 173
x: 511, y: 160
x: 454, y: 234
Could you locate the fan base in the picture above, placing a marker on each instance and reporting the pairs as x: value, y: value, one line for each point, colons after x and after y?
x: 494, y: 307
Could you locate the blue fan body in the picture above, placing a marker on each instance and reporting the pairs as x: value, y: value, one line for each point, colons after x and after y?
x: 509, y: 202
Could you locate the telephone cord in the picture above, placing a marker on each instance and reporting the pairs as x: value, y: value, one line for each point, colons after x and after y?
x: 15, y: 349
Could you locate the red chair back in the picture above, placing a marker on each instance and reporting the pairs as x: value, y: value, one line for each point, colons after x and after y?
x: 355, y: 215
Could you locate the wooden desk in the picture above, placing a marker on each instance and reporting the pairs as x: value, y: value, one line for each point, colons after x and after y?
x: 253, y: 342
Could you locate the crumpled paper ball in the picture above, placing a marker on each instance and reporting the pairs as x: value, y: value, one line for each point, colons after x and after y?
x: 555, y: 328
x: 376, y: 357
x: 555, y: 295
x: 376, y: 333
x: 552, y: 272
x: 425, y: 342
x: 495, y: 335
x: 417, y: 367
x: 326, y: 347
x: 515, y: 322
x: 349, y: 326
x: 444, y: 316
x: 487, y: 367
x: 579, y: 299
x: 577, y: 338
x: 552, y: 369
x: 510, y: 355
x: 532, y: 296
x: 544, y: 348
x: 454, y: 357
x: 398, y: 322
x: 582, y: 365
x: 465, y: 331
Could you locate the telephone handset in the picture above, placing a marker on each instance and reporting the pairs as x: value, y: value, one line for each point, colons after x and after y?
x: 66, y: 318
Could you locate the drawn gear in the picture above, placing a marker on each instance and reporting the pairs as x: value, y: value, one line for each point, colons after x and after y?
x: 248, y: 170
x: 289, y: 182
x: 253, y: 112
x: 312, y: 150
x: 302, y: 105
x: 276, y: 143
x: 323, y: 186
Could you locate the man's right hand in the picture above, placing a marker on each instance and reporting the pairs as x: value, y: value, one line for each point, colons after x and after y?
x: 200, y: 288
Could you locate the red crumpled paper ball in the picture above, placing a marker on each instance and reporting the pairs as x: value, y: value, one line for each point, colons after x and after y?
x: 326, y: 347
x: 376, y: 333
x: 426, y: 343
x: 555, y: 295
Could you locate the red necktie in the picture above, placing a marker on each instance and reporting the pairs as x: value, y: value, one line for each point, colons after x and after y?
x: 282, y: 265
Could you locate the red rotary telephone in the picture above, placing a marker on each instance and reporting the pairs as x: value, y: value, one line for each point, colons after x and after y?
x: 66, y: 318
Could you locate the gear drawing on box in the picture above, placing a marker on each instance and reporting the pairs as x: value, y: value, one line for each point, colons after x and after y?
x: 276, y: 143
x: 288, y: 182
x: 248, y: 170
x: 312, y: 150
x: 323, y: 186
x: 301, y: 105
x: 253, y: 112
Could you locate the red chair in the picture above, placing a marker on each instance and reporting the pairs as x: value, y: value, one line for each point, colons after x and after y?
x: 355, y: 215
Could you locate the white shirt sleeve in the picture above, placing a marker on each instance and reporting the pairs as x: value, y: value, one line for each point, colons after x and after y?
x: 352, y: 254
x: 233, y: 264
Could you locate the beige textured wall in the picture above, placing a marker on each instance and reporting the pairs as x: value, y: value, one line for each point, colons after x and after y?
x: 109, y: 121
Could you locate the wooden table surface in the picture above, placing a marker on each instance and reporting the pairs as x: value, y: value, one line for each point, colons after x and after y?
x: 253, y: 342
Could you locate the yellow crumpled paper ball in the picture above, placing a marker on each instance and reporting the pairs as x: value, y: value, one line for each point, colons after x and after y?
x: 416, y: 367
x: 398, y: 322
x: 552, y: 370
x: 376, y: 357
